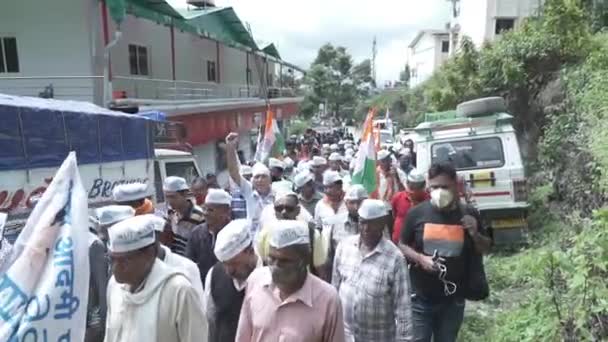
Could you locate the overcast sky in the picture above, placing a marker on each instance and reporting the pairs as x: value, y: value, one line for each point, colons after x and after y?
x: 299, y: 28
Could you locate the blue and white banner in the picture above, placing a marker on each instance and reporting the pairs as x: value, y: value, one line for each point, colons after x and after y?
x: 44, y: 293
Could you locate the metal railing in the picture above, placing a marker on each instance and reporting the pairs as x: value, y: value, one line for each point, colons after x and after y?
x: 90, y: 88
x: 82, y: 88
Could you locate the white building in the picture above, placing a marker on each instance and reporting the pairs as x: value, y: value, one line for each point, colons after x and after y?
x: 485, y: 20
x: 201, y: 67
x: 427, y: 51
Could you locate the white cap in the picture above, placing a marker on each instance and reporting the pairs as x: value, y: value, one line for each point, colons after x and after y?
x: 281, y: 187
x: 318, y: 161
x: 130, y: 192
x: 218, y: 196
x: 348, y: 159
x: 335, y: 156
x: 232, y: 239
x: 372, y: 208
x: 303, y: 166
x: 349, y: 152
x: 405, y: 150
x: 287, y: 233
x: 112, y: 214
x: 260, y: 169
x: 159, y: 222
x: 175, y: 184
x: 416, y: 176
x: 289, y: 163
x: 356, y: 192
x: 132, y: 234
x: 334, y: 147
x: 246, y: 170
x: 325, y: 145
x: 274, y: 162
x: 330, y: 177
x: 348, y: 146
x: 383, y: 154
x: 302, y: 178
x: 281, y: 193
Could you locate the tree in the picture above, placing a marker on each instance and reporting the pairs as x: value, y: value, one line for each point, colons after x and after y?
x: 333, y: 79
x: 404, y: 76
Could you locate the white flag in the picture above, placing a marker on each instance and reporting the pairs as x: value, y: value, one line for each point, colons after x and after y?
x: 44, y: 293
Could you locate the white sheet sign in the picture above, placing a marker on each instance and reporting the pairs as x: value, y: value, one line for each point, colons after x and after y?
x: 44, y: 293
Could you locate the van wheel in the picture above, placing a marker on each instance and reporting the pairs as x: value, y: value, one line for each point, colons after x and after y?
x: 481, y: 107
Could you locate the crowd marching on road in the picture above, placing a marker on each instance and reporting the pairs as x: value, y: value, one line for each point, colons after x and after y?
x: 291, y: 250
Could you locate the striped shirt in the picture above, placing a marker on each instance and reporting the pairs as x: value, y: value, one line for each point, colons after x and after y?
x: 374, y: 290
x: 183, y: 226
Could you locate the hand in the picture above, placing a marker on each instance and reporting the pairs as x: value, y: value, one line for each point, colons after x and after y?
x: 232, y: 140
x: 470, y: 224
x: 427, y: 263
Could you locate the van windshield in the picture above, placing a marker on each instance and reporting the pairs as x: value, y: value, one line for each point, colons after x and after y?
x: 186, y: 170
x: 470, y: 154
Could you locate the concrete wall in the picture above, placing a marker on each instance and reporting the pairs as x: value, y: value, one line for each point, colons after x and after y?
x: 53, y: 39
x: 478, y: 17
x: 422, y: 59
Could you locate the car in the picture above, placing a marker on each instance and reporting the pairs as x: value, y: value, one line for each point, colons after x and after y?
x: 478, y: 138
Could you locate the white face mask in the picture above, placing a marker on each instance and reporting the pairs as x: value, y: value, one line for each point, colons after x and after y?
x: 441, y: 198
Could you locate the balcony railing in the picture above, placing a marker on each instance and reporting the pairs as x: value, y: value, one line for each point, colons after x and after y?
x: 90, y: 88
x: 81, y: 88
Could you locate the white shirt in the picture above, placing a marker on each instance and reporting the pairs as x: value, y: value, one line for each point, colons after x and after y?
x: 323, y: 210
x: 255, y: 203
x: 190, y: 270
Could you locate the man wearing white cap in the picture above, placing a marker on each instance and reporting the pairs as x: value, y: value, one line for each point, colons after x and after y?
x: 183, y: 214
x: 284, y: 302
x: 335, y: 163
x: 307, y: 194
x: 147, y: 299
x: 318, y: 168
x: 344, y: 225
x: 414, y: 194
x: 201, y: 243
x: 333, y: 202
x: 182, y: 264
x: 226, y: 281
x: 372, y: 279
x: 258, y: 193
x: 287, y: 207
x: 134, y: 195
x: 110, y: 215
x: 289, y: 166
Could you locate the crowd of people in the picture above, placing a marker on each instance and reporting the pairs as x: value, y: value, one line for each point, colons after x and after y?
x: 291, y: 250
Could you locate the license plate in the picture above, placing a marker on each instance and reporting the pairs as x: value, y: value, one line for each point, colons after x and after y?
x: 508, y: 223
x: 481, y: 179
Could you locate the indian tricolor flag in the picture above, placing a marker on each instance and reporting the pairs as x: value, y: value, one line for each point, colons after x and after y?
x: 365, y: 165
x: 272, y: 144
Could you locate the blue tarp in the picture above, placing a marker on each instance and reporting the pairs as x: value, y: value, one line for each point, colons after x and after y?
x: 34, y: 137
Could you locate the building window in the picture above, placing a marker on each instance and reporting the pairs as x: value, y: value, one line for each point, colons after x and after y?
x: 138, y: 60
x: 445, y: 46
x: 9, y: 60
x: 503, y: 24
x: 211, y: 71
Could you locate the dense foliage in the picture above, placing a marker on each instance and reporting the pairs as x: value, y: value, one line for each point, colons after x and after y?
x: 553, y: 71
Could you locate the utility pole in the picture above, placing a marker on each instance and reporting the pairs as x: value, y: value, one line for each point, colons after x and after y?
x: 374, y: 53
x: 453, y: 25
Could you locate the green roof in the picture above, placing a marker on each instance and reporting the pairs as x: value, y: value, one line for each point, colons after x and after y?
x: 222, y: 23
x: 271, y: 50
x: 160, y: 6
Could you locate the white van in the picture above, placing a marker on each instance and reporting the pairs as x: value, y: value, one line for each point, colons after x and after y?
x: 479, y: 139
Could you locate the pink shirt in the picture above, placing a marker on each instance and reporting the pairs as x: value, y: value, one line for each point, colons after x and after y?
x: 312, y: 314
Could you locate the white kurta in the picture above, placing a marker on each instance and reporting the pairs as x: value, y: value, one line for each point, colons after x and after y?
x: 189, y: 269
x: 167, y: 309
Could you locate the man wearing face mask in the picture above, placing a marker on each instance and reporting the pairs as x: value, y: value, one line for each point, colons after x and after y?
x: 372, y: 279
x: 414, y: 194
x: 333, y: 202
x: 284, y: 302
x: 307, y: 194
x: 438, y: 237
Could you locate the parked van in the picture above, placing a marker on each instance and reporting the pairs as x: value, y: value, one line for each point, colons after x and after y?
x: 480, y: 141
